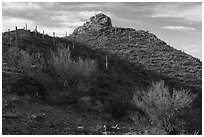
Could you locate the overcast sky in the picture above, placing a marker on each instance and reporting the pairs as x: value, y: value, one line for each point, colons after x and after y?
x: 178, y: 24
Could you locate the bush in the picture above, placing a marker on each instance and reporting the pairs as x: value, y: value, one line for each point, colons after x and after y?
x: 34, y: 68
x: 71, y: 73
x: 161, y: 106
x: 26, y: 63
x: 60, y: 73
x: 12, y: 56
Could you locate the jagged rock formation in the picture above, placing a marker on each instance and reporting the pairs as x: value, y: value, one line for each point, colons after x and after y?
x: 100, y: 22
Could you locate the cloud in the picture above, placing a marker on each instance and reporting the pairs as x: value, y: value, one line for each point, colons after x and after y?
x: 69, y: 15
x: 52, y: 15
x: 10, y: 23
x: 186, y: 11
x: 20, y: 6
x: 193, y: 49
x: 47, y: 16
x: 182, y: 28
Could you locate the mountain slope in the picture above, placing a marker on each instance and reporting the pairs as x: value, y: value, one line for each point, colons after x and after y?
x: 140, y: 57
x: 142, y: 48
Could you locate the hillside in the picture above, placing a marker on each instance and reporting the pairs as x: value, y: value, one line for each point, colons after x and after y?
x: 136, y: 58
x: 141, y: 47
x: 151, y: 57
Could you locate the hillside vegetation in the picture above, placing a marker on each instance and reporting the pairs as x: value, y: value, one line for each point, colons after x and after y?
x: 72, y: 73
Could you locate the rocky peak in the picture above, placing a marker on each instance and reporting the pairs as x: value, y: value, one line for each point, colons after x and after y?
x: 100, y: 20
x: 95, y: 23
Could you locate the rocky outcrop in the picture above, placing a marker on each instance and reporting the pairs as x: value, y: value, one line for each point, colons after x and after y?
x: 96, y: 23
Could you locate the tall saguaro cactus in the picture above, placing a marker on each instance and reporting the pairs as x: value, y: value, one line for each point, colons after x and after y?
x: 43, y: 35
x: 9, y: 32
x: 26, y: 27
x: 36, y: 31
x: 54, y: 38
x: 16, y: 36
x: 129, y: 37
x: 106, y: 61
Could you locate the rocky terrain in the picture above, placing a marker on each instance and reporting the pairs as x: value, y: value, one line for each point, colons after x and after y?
x: 136, y: 58
x: 141, y: 47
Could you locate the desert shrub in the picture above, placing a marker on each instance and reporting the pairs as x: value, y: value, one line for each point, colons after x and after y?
x: 16, y: 57
x: 161, y: 106
x: 32, y: 67
x: 34, y: 76
x: 60, y: 73
x: 72, y: 73
x: 12, y: 56
x: 26, y: 62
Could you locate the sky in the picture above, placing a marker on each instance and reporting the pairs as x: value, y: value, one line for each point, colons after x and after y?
x: 178, y: 24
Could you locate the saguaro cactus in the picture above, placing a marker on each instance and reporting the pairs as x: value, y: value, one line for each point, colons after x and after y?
x: 16, y: 36
x: 106, y: 61
x: 9, y: 32
x: 129, y: 37
x: 43, y: 35
x: 36, y: 31
x: 53, y: 38
x: 26, y: 27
